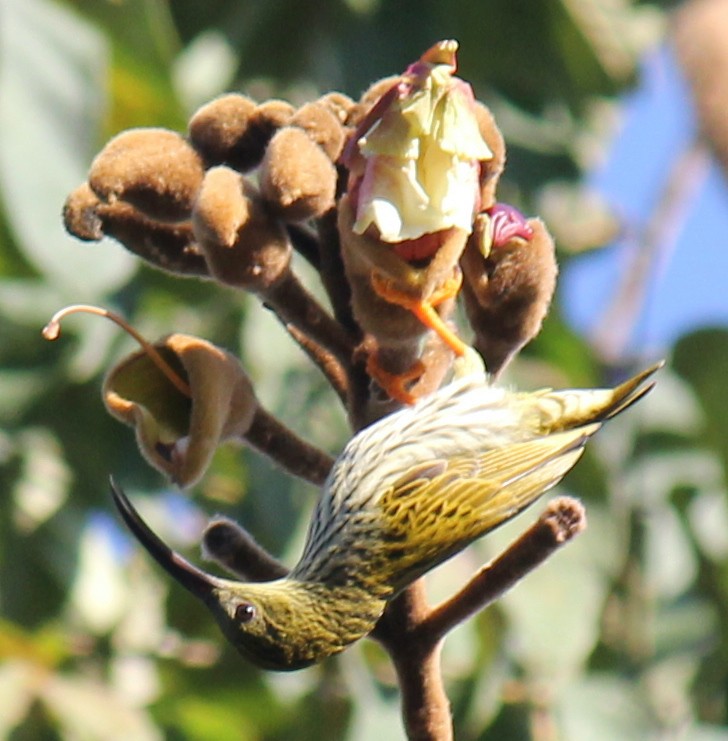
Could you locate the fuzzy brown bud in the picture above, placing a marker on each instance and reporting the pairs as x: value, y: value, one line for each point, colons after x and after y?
x: 490, y: 170
x: 338, y: 103
x: 155, y: 170
x: 370, y: 96
x: 168, y: 246
x: 244, y: 245
x: 272, y: 115
x: 234, y: 548
x: 80, y: 215
x: 218, y: 130
x: 232, y: 130
x: 507, y: 294
x: 297, y: 179
x: 322, y: 126
x: 265, y: 121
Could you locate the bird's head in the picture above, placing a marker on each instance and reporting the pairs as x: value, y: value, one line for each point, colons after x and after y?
x: 281, y: 625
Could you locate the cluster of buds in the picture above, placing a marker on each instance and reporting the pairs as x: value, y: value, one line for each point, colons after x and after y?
x: 392, y: 199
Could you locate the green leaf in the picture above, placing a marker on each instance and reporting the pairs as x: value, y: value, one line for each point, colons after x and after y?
x: 16, y: 694
x: 89, y: 711
x: 51, y: 103
x: 603, y: 707
x: 554, y: 612
x: 670, y: 563
x: 701, y: 358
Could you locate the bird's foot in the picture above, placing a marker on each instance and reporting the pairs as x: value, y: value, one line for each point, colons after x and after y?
x: 395, y: 384
x: 424, y: 309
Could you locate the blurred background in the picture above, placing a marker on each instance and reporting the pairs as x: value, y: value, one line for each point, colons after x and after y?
x: 615, y: 114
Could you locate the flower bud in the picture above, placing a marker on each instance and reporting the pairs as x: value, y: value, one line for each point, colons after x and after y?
x: 232, y: 130
x: 168, y: 246
x: 218, y: 131
x: 508, y: 293
x: 297, y: 179
x: 243, y: 244
x: 155, y: 170
x: 339, y: 104
x: 322, y: 126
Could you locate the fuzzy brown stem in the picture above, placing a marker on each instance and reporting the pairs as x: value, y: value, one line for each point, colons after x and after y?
x: 294, y: 305
x: 425, y: 706
x: 332, y: 270
x: 358, y: 402
x: 327, y: 363
x: 232, y: 547
x: 563, y: 519
x: 304, y: 241
x: 295, y: 455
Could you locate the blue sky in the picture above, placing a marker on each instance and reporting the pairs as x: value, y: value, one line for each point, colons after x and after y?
x: 689, y: 288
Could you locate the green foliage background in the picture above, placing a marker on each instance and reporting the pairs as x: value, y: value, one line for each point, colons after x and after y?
x: 623, y: 635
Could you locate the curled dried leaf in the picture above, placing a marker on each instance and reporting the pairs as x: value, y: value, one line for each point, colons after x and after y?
x: 178, y: 434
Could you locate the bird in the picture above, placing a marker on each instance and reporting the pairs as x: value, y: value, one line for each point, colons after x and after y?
x: 406, y: 493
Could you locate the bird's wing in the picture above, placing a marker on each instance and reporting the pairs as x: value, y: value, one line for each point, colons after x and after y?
x: 440, y: 506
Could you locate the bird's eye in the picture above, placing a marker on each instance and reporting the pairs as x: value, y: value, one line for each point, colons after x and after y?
x: 244, y: 613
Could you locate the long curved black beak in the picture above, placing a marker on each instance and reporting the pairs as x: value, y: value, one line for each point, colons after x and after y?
x: 200, y: 583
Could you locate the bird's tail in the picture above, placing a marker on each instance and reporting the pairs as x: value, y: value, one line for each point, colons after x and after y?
x: 573, y: 408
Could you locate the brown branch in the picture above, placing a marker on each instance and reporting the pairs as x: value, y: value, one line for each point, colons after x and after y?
x: 234, y: 548
x: 412, y: 633
x: 304, y: 241
x: 425, y: 706
x: 327, y: 363
x: 295, y: 455
x: 332, y: 273
x: 563, y: 519
x: 294, y: 305
x: 359, y: 402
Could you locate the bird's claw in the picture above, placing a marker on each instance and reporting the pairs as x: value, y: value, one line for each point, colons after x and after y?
x: 395, y: 384
x: 424, y: 309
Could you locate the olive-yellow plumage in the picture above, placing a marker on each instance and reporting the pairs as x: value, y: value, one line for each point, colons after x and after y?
x: 405, y: 494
